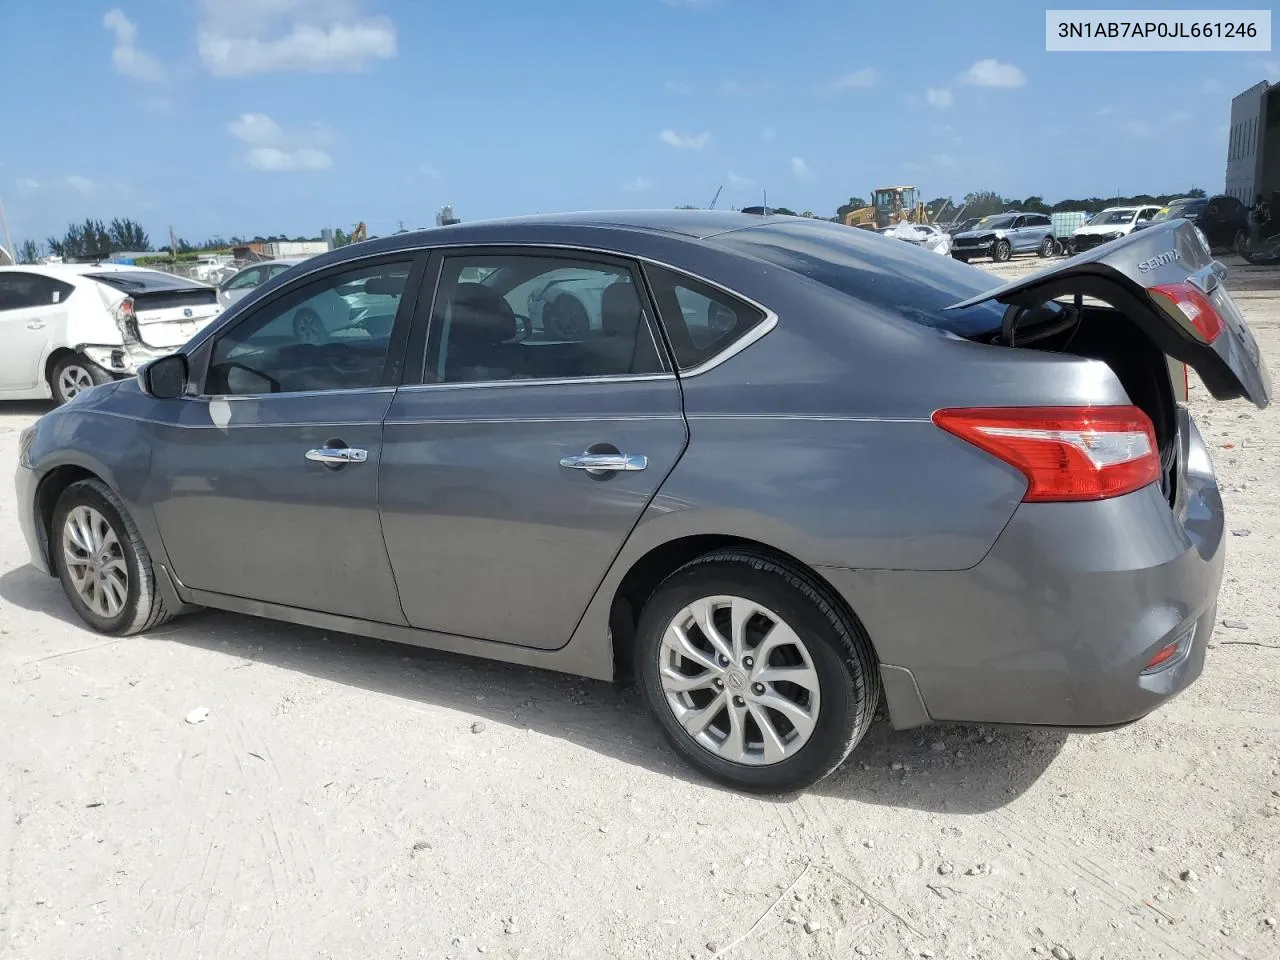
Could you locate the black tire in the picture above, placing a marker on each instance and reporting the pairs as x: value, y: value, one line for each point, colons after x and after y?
x: 1240, y: 243
x: 144, y: 607
x: 1001, y: 251
x: 77, y: 369
x: 1046, y: 247
x: 309, y: 328
x: 840, y: 651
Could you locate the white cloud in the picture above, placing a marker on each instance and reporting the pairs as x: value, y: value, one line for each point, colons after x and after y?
x: 993, y: 73
x: 801, y: 169
x: 768, y: 133
x: 684, y: 141
x: 80, y: 184
x: 430, y: 172
x: 939, y: 97
x: 943, y: 160
x: 859, y: 79
x: 1270, y: 69
x: 739, y: 182
x: 27, y: 185
x: 733, y: 88
x: 1139, y: 128
x: 1103, y: 112
x: 237, y: 38
x: 678, y: 87
x: 125, y: 55
x: 638, y: 185
x: 274, y: 150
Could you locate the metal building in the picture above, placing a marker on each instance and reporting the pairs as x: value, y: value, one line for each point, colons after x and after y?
x: 1253, y: 143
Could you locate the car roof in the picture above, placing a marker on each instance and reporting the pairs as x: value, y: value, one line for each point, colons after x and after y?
x: 696, y: 224
x: 73, y: 269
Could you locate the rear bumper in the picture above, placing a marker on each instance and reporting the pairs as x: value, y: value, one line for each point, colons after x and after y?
x: 1055, y: 625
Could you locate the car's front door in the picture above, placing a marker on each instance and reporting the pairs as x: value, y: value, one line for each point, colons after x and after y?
x: 266, y: 478
x: 518, y: 459
x: 32, y: 313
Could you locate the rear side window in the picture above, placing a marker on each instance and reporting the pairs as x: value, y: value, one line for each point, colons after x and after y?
x: 21, y: 290
x: 700, y: 320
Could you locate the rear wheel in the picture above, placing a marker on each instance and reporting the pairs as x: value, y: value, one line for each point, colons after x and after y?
x: 753, y: 674
x: 1240, y: 244
x: 1046, y: 247
x: 74, y: 374
x: 1002, y: 251
x: 104, y: 566
x: 308, y: 327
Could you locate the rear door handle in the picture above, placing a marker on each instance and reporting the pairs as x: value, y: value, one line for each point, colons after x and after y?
x: 601, y: 463
x: 337, y: 455
x: 35, y: 325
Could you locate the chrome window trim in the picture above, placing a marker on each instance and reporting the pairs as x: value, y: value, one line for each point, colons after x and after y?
x: 208, y: 397
x: 540, y: 382
x: 731, y: 350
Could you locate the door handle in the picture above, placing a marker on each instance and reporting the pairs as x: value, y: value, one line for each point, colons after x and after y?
x: 601, y: 463
x: 334, y: 456
x: 35, y: 325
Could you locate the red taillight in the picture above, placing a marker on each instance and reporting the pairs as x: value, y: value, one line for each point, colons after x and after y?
x: 125, y: 308
x: 1186, y: 300
x: 1066, y: 453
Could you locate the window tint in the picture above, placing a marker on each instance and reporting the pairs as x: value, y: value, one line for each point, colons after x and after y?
x: 700, y: 319
x: 332, y: 334
x: 527, y: 317
x: 1040, y: 220
x: 243, y: 281
x: 19, y: 290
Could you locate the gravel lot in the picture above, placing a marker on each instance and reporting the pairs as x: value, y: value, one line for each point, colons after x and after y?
x: 346, y: 798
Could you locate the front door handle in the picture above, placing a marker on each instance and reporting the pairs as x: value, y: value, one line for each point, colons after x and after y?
x: 334, y: 456
x: 597, y: 464
x: 35, y: 325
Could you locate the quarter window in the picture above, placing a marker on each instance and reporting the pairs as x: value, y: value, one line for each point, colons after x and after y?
x: 250, y: 278
x: 333, y: 334
x: 524, y: 317
x: 700, y: 320
x: 20, y: 290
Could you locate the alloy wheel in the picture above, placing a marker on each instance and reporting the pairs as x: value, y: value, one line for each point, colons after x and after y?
x: 309, y: 328
x: 95, y: 561
x: 72, y: 380
x: 739, y: 680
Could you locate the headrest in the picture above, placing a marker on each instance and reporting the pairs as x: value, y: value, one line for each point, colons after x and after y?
x: 620, y: 310
x: 481, y: 315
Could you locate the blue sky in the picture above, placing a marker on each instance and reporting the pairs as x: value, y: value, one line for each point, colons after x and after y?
x: 267, y: 116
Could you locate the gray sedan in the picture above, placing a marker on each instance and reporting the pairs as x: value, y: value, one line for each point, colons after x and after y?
x: 785, y: 470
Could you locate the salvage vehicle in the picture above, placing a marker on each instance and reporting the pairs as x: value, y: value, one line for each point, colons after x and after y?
x: 1002, y: 235
x: 66, y: 327
x: 880, y: 473
x: 1223, y: 220
x: 924, y: 235
x: 1110, y: 224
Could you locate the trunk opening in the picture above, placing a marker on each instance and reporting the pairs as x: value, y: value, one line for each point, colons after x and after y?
x: 1101, y: 332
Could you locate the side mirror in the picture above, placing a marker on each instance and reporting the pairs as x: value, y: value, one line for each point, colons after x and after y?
x: 164, y: 378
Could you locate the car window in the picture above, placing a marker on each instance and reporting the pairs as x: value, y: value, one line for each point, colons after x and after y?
x: 529, y: 317
x: 1040, y: 220
x: 249, y: 278
x: 277, y: 268
x: 1019, y: 222
x: 20, y: 290
x: 700, y: 320
x: 1146, y: 214
x: 331, y: 334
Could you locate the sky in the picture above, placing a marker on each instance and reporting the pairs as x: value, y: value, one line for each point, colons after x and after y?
x: 244, y: 117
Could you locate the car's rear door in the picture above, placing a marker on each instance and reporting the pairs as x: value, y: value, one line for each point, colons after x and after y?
x: 1166, y: 281
x: 33, y: 316
x: 265, y: 478
x: 517, y: 458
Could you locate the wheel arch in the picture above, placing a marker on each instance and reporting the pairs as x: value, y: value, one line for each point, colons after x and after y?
x: 53, y: 359
x: 49, y: 489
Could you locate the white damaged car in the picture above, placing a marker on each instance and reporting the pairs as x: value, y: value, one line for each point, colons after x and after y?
x: 67, y: 327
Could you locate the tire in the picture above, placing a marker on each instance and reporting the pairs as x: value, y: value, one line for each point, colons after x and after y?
x: 1046, y: 247
x: 73, y: 374
x: 1240, y: 243
x: 1002, y: 251
x: 309, y: 328
x: 142, y: 607
x: 833, y: 653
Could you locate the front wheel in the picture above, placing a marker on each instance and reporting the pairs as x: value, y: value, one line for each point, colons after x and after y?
x: 1046, y: 247
x: 1002, y: 251
x: 74, y: 374
x: 754, y: 675
x: 102, y: 562
x: 1240, y: 244
x: 309, y: 328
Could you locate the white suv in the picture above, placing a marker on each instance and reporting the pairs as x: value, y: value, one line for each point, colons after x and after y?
x: 67, y: 327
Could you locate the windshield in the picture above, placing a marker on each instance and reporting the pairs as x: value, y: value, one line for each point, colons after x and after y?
x: 1175, y: 210
x: 1108, y: 217
x: 995, y: 223
x: 896, y: 277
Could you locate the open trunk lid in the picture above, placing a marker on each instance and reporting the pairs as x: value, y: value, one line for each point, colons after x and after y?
x: 1167, y: 282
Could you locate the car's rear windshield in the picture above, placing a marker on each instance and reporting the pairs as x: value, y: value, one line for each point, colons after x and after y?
x: 882, y: 271
x: 142, y: 281
x: 1175, y: 210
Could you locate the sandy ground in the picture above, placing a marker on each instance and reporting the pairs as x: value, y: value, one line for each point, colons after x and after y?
x: 346, y: 798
